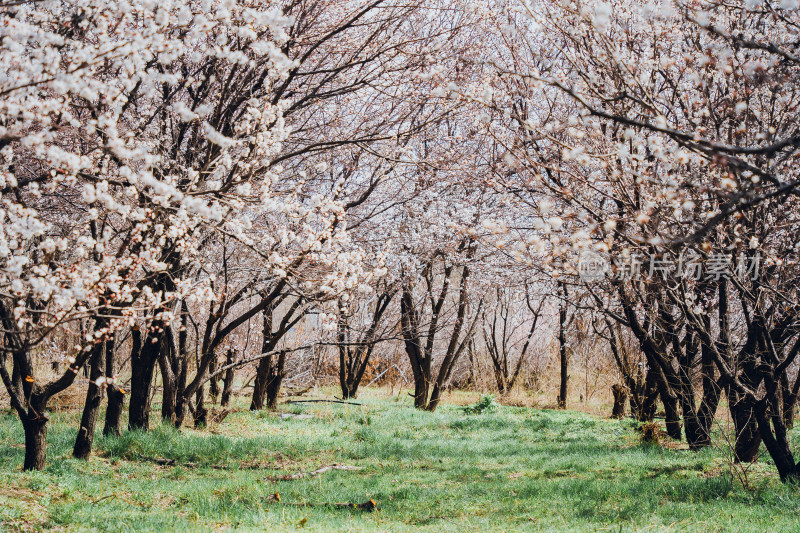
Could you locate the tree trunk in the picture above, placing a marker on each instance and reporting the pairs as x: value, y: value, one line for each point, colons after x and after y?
x: 748, y: 438
x: 116, y: 397
x: 34, y: 422
x: 264, y: 368
x: 353, y: 362
x: 668, y: 399
x: 711, y: 396
x: 227, y: 383
x: 712, y: 390
x: 167, y: 364
x: 743, y: 413
x: 672, y: 416
x: 180, y: 392
x: 274, y: 384
x: 94, y: 396
x: 16, y: 379
x: 636, y: 399
x: 620, y: 396
x: 561, y: 401
x: 213, y: 383
x: 35, y: 441
x: 436, y: 396
x: 168, y: 400
x: 790, y: 404
x: 773, y: 431
x: 260, y: 384
x: 349, y: 387
x: 181, y: 398
x: 420, y: 364
x: 116, y: 403
x: 650, y: 398
x: 352, y: 365
x: 790, y: 400
x: 705, y: 416
x: 695, y: 434
x: 421, y: 394
x: 200, y: 411
x: 349, y: 391
x: 142, y: 370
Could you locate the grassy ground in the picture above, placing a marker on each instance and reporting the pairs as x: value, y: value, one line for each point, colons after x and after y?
x: 514, y: 469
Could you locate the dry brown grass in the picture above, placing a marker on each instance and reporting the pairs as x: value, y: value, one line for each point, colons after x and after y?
x: 71, y: 398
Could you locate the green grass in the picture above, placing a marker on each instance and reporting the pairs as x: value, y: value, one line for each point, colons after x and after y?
x: 513, y: 469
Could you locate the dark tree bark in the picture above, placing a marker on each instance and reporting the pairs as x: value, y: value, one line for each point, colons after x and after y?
x: 620, y: 393
x: 94, y: 395
x: 270, y: 385
x: 260, y: 383
x: 353, y: 360
x: 116, y: 395
x: 420, y: 363
x: 712, y: 389
x: 655, y: 349
x: 639, y: 390
x: 116, y: 403
x: 200, y: 410
x: 169, y: 361
x: 269, y: 340
x: 742, y: 407
x: 264, y: 367
x: 29, y: 398
x: 16, y: 379
x: 142, y: 370
x: 213, y: 383
x: 497, y: 342
x: 695, y: 434
x: 563, y: 355
x: 169, y: 392
x: 747, y: 435
x: 672, y: 417
x: 227, y: 383
x: 789, y: 393
x: 455, y: 347
x: 183, y: 369
x: 275, y: 380
x: 421, y: 355
x: 771, y: 427
x: 647, y: 411
x: 790, y: 403
x: 35, y: 442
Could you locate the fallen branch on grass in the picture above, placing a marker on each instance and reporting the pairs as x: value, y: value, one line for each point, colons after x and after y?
x: 216, y: 417
x: 368, y: 506
x: 301, y: 475
x: 297, y: 392
x: 324, y: 401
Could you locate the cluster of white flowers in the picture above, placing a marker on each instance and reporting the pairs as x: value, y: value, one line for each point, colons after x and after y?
x: 99, y: 190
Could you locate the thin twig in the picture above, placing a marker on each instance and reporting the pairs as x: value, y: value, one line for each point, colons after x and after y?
x: 324, y: 401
